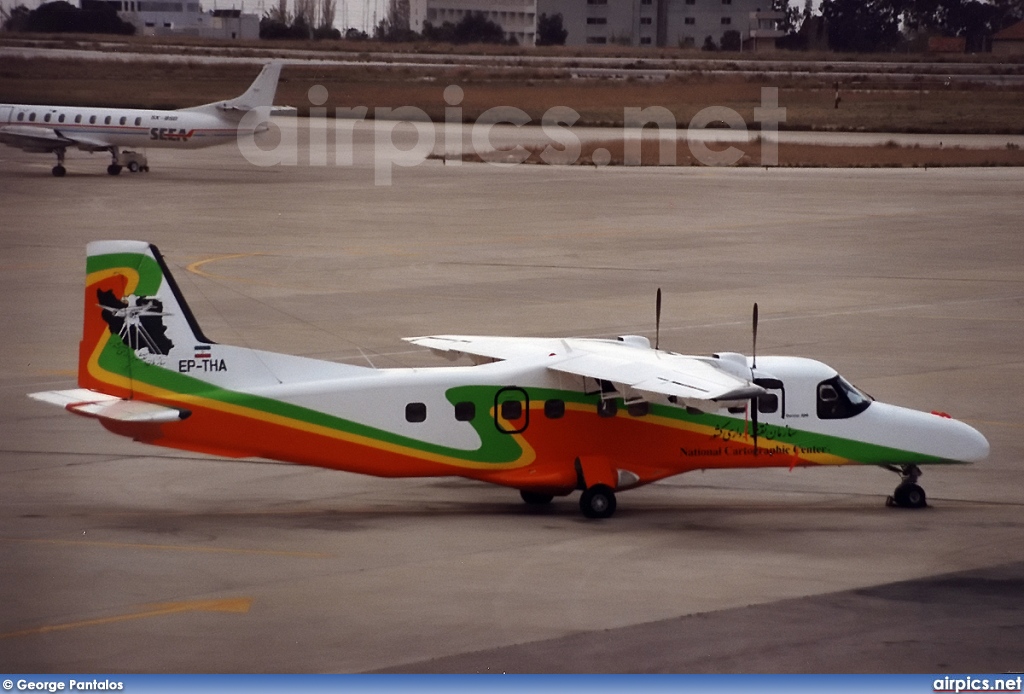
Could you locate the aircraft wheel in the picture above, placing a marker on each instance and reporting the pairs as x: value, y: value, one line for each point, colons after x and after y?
x: 59, y: 170
x: 114, y: 169
x: 133, y: 166
x: 598, y: 502
x: 909, y: 496
x: 535, y: 498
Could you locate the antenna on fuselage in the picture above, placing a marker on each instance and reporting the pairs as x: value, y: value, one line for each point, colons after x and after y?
x: 657, y: 319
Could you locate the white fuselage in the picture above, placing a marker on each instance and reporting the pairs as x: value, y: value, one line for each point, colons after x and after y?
x: 126, y: 128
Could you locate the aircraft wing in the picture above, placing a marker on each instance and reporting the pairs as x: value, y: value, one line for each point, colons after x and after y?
x: 687, y: 380
x: 33, y: 139
x: 89, y: 403
x: 454, y: 346
x: 635, y: 372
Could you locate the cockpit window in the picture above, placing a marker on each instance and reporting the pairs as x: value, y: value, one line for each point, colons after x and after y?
x: 839, y: 399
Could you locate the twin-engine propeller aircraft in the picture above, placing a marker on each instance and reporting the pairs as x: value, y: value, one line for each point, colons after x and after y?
x: 53, y: 129
x: 545, y: 416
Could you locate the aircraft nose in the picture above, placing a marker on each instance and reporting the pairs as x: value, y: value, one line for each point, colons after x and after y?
x: 957, y: 440
x: 937, y: 435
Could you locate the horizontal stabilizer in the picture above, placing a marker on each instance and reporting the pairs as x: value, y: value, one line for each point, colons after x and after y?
x: 89, y: 403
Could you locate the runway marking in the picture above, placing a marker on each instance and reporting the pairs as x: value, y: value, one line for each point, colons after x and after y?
x: 170, y: 548
x: 195, y: 269
x: 235, y: 605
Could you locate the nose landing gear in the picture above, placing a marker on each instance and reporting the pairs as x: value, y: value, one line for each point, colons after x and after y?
x: 908, y: 494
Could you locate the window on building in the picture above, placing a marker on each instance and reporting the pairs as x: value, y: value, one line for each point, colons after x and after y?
x: 597, y: 20
x: 726, y: 21
x: 597, y: 39
x: 597, y: 2
x: 645, y: 40
x: 646, y: 2
x: 690, y: 20
x: 415, y: 412
x: 646, y: 20
x: 691, y: 2
x: 726, y: 2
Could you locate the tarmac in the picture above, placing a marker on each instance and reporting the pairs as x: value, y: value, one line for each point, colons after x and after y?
x: 120, y: 557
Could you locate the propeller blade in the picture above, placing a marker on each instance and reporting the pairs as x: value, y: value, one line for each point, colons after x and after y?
x: 754, y: 354
x: 753, y: 400
x: 753, y: 420
x: 657, y: 319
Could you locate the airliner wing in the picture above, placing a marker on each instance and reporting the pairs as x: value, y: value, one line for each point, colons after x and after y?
x: 635, y: 372
x: 688, y: 380
x: 454, y: 346
x: 89, y: 403
x: 33, y: 139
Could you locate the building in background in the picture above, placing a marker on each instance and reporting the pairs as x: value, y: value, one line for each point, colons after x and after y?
x: 518, y: 18
x: 682, y: 23
x: 182, y: 18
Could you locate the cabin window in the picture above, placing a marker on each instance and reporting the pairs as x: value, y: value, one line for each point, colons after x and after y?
x: 106, y: 121
x: 415, y: 412
x: 46, y: 118
x: 32, y: 117
x: 138, y: 120
x: 511, y: 410
x: 838, y: 399
x: 607, y: 408
x: 21, y: 116
x: 92, y: 120
x: 554, y: 409
x: 767, y: 404
x: 638, y: 409
x: 465, y: 411
x: 78, y: 118
x: 123, y: 120
x: 60, y: 118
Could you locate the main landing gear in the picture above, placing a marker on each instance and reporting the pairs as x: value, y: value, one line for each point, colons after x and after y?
x: 59, y: 169
x: 908, y: 494
x: 597, y: 501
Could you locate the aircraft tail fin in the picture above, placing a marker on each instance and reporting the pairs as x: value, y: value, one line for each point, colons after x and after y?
x: 134, y: 315
x: 140, y: 338
x: 258, y: 97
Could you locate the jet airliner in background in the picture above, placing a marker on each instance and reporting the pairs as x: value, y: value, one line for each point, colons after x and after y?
x: 55, y: 129
x: 544, y: 416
